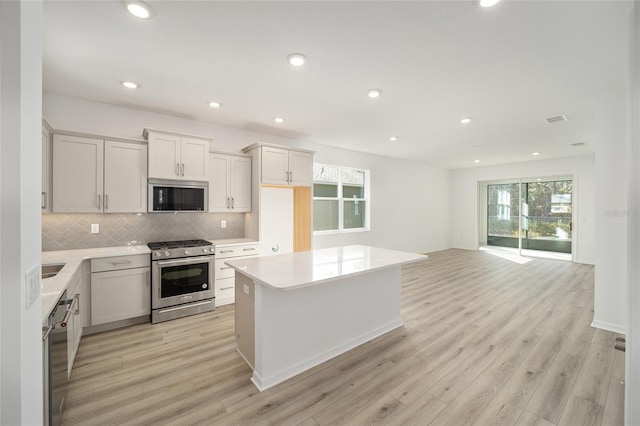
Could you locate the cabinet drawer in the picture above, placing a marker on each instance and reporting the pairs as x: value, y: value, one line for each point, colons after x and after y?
x: 223, y: 271
x: 119, y: 262
x: 223, y: 252
x: 225, y: 291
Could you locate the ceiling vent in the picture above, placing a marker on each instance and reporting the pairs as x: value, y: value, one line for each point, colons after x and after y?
x: 556, y: 119
x: 578, y: 144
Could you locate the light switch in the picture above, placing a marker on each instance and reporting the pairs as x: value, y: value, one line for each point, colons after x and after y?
x: 32, y: 282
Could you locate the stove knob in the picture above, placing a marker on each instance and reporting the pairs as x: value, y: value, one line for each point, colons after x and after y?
x: 158, y: 254
x: 166, y: 253
x: 205, y: 250
x: 186, y: 252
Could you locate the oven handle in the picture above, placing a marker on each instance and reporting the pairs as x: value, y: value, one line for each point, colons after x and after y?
x: 196, y: 259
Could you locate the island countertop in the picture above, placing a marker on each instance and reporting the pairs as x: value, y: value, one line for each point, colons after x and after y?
x: 302, y: 269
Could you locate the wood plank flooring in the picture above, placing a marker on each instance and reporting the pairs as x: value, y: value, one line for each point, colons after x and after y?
x: 485, y: 341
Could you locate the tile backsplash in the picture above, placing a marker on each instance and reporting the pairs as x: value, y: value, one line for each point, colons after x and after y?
x: 73, y: 231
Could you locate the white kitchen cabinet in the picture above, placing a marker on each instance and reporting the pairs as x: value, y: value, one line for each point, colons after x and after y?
x: 286, y: 166
x: 93, y: 175
x: 120, y: 288
x: 175, y: 156
x: 125, y: 177
x: 230, y: 183
x: 77, y: 174
x: 74, y: 325
x: 225, y: 275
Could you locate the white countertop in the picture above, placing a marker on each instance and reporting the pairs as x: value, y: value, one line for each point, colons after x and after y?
x: 52, y: 288
x: 297, y: 270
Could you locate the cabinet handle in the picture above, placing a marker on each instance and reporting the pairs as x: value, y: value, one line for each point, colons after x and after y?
x: 182, y: 169
x: 228, y: 202
x: 233, y: 203
x: 225, y: 267
x: 99, y: 201
x: 121, y: 262
x: 77, y: 300
x: 44, y: 200
x: 106, y: 201
x: 290, y: 177
x: 226, y: 251
x: 249, y: 249
x: 226, y: 288
x: 177, y: 169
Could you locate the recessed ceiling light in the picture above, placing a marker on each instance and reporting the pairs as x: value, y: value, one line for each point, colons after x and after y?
x: 393, y: 138
x: 138, y: 8
x: 297, y: 59
x: 466, y: 120
x: 476, y: 161
x: 279, y: 120
x: 535, y: 153
x: 488, y: 3
x: 130, y: 84
x: 374, y: 93
x: 213, y: 104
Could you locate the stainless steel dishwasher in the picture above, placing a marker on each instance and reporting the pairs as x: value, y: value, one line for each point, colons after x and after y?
x: 54, y: 359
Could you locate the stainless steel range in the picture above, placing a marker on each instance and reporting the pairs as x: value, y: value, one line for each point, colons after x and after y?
x: 182, y: 279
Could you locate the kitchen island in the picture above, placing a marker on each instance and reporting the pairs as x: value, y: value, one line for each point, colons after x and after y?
x: 297, y: 310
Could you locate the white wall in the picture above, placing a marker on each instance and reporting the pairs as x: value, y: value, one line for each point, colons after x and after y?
x: 20, y: 149
x: 465, y: 231
x: 410, y: 206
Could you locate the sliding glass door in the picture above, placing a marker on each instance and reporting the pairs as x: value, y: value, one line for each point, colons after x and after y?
x: 546, y: 210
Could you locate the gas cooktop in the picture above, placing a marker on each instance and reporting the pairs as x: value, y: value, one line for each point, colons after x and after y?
x: 164, y: 245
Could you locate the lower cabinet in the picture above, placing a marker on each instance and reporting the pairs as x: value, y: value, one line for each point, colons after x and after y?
x: 225, y: 275
x: 120, y: 288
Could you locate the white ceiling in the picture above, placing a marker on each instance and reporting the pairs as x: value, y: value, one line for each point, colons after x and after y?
x: 509, y: 67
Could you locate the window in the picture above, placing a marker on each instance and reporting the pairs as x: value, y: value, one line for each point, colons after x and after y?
x: 340, y: 199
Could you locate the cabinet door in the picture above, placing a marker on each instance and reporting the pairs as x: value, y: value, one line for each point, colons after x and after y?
x: 240, y: 184
x: 195, y: 159
x: 77, y: 174
x: 125, y: 177
x: 164, y: 156
x: 275, y: 166
x: 46, y: 203
x: 74, y: 326
x: 301, y: 168
x: 219, y: 200
x: 118, y: 295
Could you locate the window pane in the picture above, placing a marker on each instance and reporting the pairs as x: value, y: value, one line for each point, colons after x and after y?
x: 352, y: 177
x: 324, y: 173
x: 349, y: 191
x: 325, y: 190
x: 354, y: 214
x: 325, y: 215
x: 503, y: 213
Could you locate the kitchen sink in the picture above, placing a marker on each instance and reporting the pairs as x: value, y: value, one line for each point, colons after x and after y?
x: 51, y: 270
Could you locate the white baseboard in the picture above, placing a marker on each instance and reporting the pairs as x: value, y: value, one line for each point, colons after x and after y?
x: 264, y: 383
x: 616, y: 328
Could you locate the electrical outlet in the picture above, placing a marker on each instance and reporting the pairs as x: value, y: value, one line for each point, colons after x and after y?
x: 32, y: 283
x: 95, y: 228
x: 246, y: 289
x: 223, y: 224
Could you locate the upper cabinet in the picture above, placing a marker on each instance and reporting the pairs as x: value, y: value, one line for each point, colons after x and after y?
x: 230, y: 183
x: 282, y: 166
x: 92, y: 175
x: 175, y: 156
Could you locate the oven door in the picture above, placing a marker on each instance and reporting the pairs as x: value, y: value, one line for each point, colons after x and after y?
x: 174, y: 282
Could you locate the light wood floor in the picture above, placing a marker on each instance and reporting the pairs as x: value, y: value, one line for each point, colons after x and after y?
x: 485, y: 341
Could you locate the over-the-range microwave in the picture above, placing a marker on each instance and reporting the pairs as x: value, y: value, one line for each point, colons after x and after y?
x: 177, y: 196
